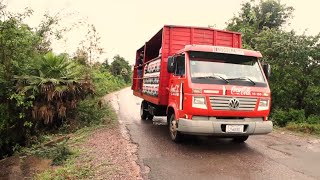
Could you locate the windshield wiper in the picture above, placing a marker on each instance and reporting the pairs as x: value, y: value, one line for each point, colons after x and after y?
x: 243, y: 78
x: 215, y: 76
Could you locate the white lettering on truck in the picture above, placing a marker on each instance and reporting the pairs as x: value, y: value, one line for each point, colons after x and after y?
x: 228, y: 50
x: 174, y: 90
x: 241, y: 91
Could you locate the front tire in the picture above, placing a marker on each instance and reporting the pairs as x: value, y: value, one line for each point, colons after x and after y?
x: 240, y: 139
x: 175, y: 135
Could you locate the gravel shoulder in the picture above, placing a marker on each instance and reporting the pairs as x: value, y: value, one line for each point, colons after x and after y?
x: 110, y: 151
x: 111, y: 155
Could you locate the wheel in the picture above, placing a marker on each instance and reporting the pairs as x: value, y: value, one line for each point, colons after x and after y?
x: 143, y: 113
x: 175, y: 135
x: 240, y: 139
x: 150, y: 117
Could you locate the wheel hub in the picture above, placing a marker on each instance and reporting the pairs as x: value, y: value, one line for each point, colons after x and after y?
x: 173, y: 128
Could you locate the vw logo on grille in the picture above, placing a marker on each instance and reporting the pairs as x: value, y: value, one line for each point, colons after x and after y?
x: 234, y: 104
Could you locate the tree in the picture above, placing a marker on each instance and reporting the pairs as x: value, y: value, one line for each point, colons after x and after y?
x: 19, y: 45
x: 295, y: 59
x: 81, y: 56
x: 254, y: 18
x: 91, y: 45
x: 22, y: 51
x: 121, y: 67
x: 296, y: 68
x: 105, y: 65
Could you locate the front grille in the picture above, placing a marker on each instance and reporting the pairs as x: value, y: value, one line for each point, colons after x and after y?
x: 222, y: 103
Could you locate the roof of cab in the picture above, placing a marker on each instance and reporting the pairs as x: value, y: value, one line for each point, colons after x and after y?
x: 221, y: 49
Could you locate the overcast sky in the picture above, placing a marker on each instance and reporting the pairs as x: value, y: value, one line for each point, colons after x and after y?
x: 124, y: 25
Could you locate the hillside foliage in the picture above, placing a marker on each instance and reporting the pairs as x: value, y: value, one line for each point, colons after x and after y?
x: 42, y: 92
x: 295, y: 59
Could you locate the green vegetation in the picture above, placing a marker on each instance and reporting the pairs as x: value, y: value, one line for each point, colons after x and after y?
x: 59, y: 152
x: 305, y: 127
x: 295, y: 61
x: 69, y: 161
x: 70, y: 170
x: 43, y: 94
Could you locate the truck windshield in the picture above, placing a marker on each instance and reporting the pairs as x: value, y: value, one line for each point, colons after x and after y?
x: 214, y: 68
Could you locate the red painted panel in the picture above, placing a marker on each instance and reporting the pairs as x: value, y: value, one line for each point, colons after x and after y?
x: 180, y: 38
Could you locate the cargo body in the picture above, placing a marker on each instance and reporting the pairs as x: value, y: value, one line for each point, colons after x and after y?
x: 204, y: 83
x: 168, y: 41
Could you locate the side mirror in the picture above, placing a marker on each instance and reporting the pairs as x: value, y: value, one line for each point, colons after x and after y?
x: 171, y: 63
x: 267, y: 70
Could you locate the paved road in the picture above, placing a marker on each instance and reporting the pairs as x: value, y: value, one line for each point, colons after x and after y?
x: 278, y: 155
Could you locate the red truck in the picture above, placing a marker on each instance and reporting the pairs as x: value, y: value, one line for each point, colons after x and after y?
x: 204, y: 82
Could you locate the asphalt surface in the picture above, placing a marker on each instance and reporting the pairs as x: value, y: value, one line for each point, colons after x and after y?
x: 279, y: 155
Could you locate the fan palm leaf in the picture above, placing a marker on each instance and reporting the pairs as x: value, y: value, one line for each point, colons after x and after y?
x: 57, y: 84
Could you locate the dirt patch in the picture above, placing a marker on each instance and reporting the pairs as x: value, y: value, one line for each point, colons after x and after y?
x: 25, y: 167
x: 110, y: 152
x: 111, y: 155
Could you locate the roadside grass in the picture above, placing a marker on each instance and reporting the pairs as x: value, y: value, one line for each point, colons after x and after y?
x: 304, y: 128
x: 108, y: 120
x: 295, y: 129
x: 71, y: 169
x: 68, y: 160
x: 296, y: 120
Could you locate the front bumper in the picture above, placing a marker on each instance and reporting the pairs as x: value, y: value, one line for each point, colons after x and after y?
x: 216, y: 127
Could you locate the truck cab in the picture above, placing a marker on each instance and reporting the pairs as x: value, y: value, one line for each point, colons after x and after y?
x: 218, y: 91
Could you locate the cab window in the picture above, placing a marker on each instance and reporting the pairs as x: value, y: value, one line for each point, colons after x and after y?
x: 180, y: 65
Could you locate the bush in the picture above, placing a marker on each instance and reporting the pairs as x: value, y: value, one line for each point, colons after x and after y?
x: 89, y: 112
x: 59, y: 153
x: 313, y: 119
x: 3, y: 125
x: 52, y: 88
x: 105, y: 82
x: 39, y: 90
x: 282, y: 118
x: 304, y: 127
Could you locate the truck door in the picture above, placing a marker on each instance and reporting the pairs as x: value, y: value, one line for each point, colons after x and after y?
x: 177, y: 82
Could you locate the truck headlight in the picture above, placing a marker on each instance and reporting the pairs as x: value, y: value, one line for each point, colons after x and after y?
x: 263, y: 105
x: 199, y: 102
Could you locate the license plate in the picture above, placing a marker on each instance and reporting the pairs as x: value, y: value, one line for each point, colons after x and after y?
x: 234, y: 128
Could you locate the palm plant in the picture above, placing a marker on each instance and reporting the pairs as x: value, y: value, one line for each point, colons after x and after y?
x: 56, y: 84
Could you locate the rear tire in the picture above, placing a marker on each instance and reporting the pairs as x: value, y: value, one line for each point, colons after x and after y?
x: 143, y: 113
x: 240, y: 139
x: 175, y: 135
